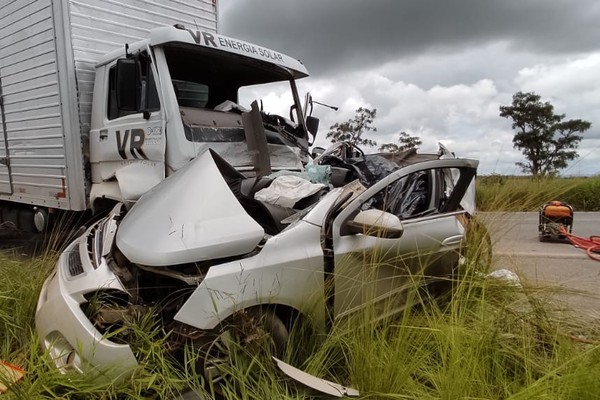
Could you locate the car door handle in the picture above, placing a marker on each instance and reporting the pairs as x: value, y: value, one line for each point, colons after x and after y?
x: 452, y: 240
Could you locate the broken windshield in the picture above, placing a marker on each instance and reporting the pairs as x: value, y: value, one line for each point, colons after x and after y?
x: 215, y: 77
x: 207, y: 85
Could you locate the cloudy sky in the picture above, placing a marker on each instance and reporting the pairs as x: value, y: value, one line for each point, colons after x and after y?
x: 437, y: 69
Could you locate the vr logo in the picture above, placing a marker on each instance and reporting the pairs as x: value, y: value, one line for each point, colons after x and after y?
x: 136, y: 140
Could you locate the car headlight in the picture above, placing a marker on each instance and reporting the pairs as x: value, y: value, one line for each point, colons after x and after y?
x: 73, y: 265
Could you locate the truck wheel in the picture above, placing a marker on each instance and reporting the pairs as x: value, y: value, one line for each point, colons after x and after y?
x: 247, y: 337
x: 40, y: 219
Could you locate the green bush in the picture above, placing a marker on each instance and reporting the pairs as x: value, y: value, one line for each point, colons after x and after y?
x: 585, y: 196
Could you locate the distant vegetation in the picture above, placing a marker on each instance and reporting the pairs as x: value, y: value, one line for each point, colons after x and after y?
x: 352, y: 131
x: 546, y: 139
x: 514, y: 193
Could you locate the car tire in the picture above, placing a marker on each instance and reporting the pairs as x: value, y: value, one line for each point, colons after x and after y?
x: 248, y: 335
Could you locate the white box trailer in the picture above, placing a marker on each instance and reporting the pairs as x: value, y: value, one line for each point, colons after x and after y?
x: 48, y: 53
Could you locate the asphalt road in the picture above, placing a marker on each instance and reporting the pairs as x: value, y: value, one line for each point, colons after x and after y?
x: 557, y: 264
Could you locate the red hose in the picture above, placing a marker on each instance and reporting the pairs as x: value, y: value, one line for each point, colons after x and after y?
x: 590, y: 245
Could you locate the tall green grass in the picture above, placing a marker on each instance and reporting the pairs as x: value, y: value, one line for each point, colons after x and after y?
x: 501, y: 193
x: 20, y: 283
x: 487, y: 339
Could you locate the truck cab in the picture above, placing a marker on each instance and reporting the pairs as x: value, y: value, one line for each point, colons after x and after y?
x: 159, y: 102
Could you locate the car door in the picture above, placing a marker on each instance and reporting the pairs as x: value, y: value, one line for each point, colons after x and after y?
x: 375, y: 268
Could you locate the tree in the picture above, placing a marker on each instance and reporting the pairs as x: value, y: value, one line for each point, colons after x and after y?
x: 405, y: 142
x: 547, y: 141
x: 352, y: 130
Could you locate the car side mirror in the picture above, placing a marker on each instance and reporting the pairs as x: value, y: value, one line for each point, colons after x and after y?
x: 378, y: 223
x: 129, y: 79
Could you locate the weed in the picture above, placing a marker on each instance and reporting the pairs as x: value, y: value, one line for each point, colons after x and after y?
x: 499, y: 193
x: 487, y: 339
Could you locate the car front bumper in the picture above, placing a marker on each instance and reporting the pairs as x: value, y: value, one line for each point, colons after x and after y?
x: 64, y: 330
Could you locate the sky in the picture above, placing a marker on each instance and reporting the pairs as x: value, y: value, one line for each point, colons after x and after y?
x: 438, y: 70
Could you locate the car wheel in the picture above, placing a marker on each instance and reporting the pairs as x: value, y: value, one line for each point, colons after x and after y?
x: 248, y: 336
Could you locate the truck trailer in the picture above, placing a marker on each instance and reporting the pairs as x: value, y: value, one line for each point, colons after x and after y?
x: 100, y: 101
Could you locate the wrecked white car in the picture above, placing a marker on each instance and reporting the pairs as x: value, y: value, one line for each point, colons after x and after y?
x: 202, y: 246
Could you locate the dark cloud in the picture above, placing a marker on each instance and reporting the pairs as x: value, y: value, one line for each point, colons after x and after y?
x: 437, y: 69
x: 593, y: 133
x: 334, y: 35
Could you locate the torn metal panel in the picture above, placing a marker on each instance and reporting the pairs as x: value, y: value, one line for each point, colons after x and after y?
x: 256, y: 140
x: 468, y: 200
x: 236, y: 153
x: 318, y: 384
x: 189, y: 217
x: 137, y: 178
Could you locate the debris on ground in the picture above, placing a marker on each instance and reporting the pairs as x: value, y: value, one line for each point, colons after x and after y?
x: 506, y: 275
x: 9, y: 374
x: 318, y: 384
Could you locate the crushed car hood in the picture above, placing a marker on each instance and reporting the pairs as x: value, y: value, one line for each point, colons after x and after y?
x: 191, y: 216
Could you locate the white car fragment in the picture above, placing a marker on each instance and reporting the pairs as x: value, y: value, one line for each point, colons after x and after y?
x: 318, y: 384
x: 203, y: 251
x: 194, y: 217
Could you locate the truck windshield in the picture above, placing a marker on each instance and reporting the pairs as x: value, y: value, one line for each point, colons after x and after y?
x: 207, y: 85
x: 205, y: 78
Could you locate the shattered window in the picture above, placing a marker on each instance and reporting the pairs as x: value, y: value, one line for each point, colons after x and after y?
x: 407, y: 197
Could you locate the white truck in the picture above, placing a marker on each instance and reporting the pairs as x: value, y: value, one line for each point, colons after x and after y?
x: 100, y: 101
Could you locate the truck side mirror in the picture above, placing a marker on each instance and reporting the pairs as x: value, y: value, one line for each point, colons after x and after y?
x: 129, y: 79
x: 312, y: 125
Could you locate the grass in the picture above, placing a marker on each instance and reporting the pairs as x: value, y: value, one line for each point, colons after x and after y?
x: 21, y: 283
x: 501, y: 193
x: 488, y: 340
